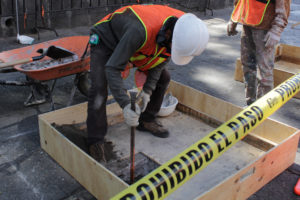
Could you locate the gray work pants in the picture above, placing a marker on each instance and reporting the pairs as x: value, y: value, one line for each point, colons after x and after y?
x: 258, y: 63
x: 97, y: 119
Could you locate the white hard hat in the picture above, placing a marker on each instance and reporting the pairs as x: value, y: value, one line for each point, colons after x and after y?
x: 190, y: 37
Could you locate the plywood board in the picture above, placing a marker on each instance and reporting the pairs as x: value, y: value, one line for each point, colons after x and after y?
x: 243, y: 164
x: 93, y: 176
x: 287, y: 64
x: 250, y: 179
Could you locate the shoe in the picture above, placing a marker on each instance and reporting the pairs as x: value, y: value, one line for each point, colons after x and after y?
x: 97, y: 152
x: 153, y: 127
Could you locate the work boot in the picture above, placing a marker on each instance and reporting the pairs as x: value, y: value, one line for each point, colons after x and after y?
x: 153, y: 127
x: 97, y: 152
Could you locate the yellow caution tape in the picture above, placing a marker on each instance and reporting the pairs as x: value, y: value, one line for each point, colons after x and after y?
x: 170, y: 176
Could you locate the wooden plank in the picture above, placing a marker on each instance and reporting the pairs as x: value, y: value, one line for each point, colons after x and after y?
x: 211, y: 106
x: 287, y: 65
x: 289, y: 53
x: 252, y: 138
x: 282, y: 71
x: 199, y: 115
x: 244, y: 174
x: 78, y: 113
x: 93, y: 176
x: 238, y: 73
x: 222, y: 111
x: 259, y: 142
x: 251, y: 178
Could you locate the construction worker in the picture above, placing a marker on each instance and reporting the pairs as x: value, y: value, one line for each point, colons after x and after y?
x: 146, y: 36
x: 263, y: 22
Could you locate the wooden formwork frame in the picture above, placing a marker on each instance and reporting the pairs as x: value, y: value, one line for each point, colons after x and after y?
x: 279, y: 141
x: 287, y: 64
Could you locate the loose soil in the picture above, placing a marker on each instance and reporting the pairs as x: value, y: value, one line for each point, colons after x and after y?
x: 77, y: 134
x: 44, y: 64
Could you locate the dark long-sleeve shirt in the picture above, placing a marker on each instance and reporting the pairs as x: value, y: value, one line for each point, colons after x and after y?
x: 124, y: 35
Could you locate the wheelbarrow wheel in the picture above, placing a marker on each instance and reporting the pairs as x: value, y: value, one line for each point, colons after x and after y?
x: 84, y: 83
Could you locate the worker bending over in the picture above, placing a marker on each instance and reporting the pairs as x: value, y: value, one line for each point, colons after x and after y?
x: 263, y: 22
x: 145, y: 36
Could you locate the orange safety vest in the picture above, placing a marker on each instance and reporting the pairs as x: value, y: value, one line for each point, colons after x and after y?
x: 153, y: 17
x: 149, y: 55
x: 250, y: 12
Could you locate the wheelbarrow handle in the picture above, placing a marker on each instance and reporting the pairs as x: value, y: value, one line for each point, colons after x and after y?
x: 21, y: 61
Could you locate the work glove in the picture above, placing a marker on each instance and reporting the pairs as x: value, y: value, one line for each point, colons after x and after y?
x: 131, y: 117
x: 231, y: 28
x: 143, y: 100
x: 271, y: 39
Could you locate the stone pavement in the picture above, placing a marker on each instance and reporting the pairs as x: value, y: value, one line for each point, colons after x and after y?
x: 28, y: 173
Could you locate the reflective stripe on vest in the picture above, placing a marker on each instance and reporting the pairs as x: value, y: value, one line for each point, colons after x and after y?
x: 250, y: 12
x: 152, y: 61
x: 152, y: 18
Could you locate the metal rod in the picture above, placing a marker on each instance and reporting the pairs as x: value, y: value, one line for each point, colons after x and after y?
x: 17, y: 17
x: 132, y: 140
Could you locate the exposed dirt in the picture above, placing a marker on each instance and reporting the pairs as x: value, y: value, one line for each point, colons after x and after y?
x: 77, y: 134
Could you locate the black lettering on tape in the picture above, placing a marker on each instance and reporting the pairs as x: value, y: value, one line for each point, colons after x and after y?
x: 244, y: 123
x: 258, y: 112
x: 293, y: 85
x: 162, y: 183
x: 287, y: 89
x: 177, y: 168
x: 272, y: 101
x: 128, y: 196
x: 170, y: 177
x: 227, y: 142
x: 235, y: 127
x: 196, y: 157
x: 206, y: 149
x: 297, y: 80
x: 252, y: 117
x: 143, y: 189
x: 217, y: 141
x: 188, y: 164
x: 281, y: 92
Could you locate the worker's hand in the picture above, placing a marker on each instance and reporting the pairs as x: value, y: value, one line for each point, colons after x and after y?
x: 231, y: 28
x: 271, y: 39
x: 131, y: 117
x: 143, y: 100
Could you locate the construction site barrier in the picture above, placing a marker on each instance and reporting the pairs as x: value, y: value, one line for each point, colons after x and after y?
x: 170, y: 176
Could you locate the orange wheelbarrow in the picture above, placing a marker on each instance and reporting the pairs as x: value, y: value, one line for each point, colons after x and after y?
x: 43, y: 68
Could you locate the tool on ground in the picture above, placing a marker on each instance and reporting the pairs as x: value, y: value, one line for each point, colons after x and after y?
x: 297, y: 188
x: 132, y: 139
x: 22, y: 39
x: 53, y: 52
